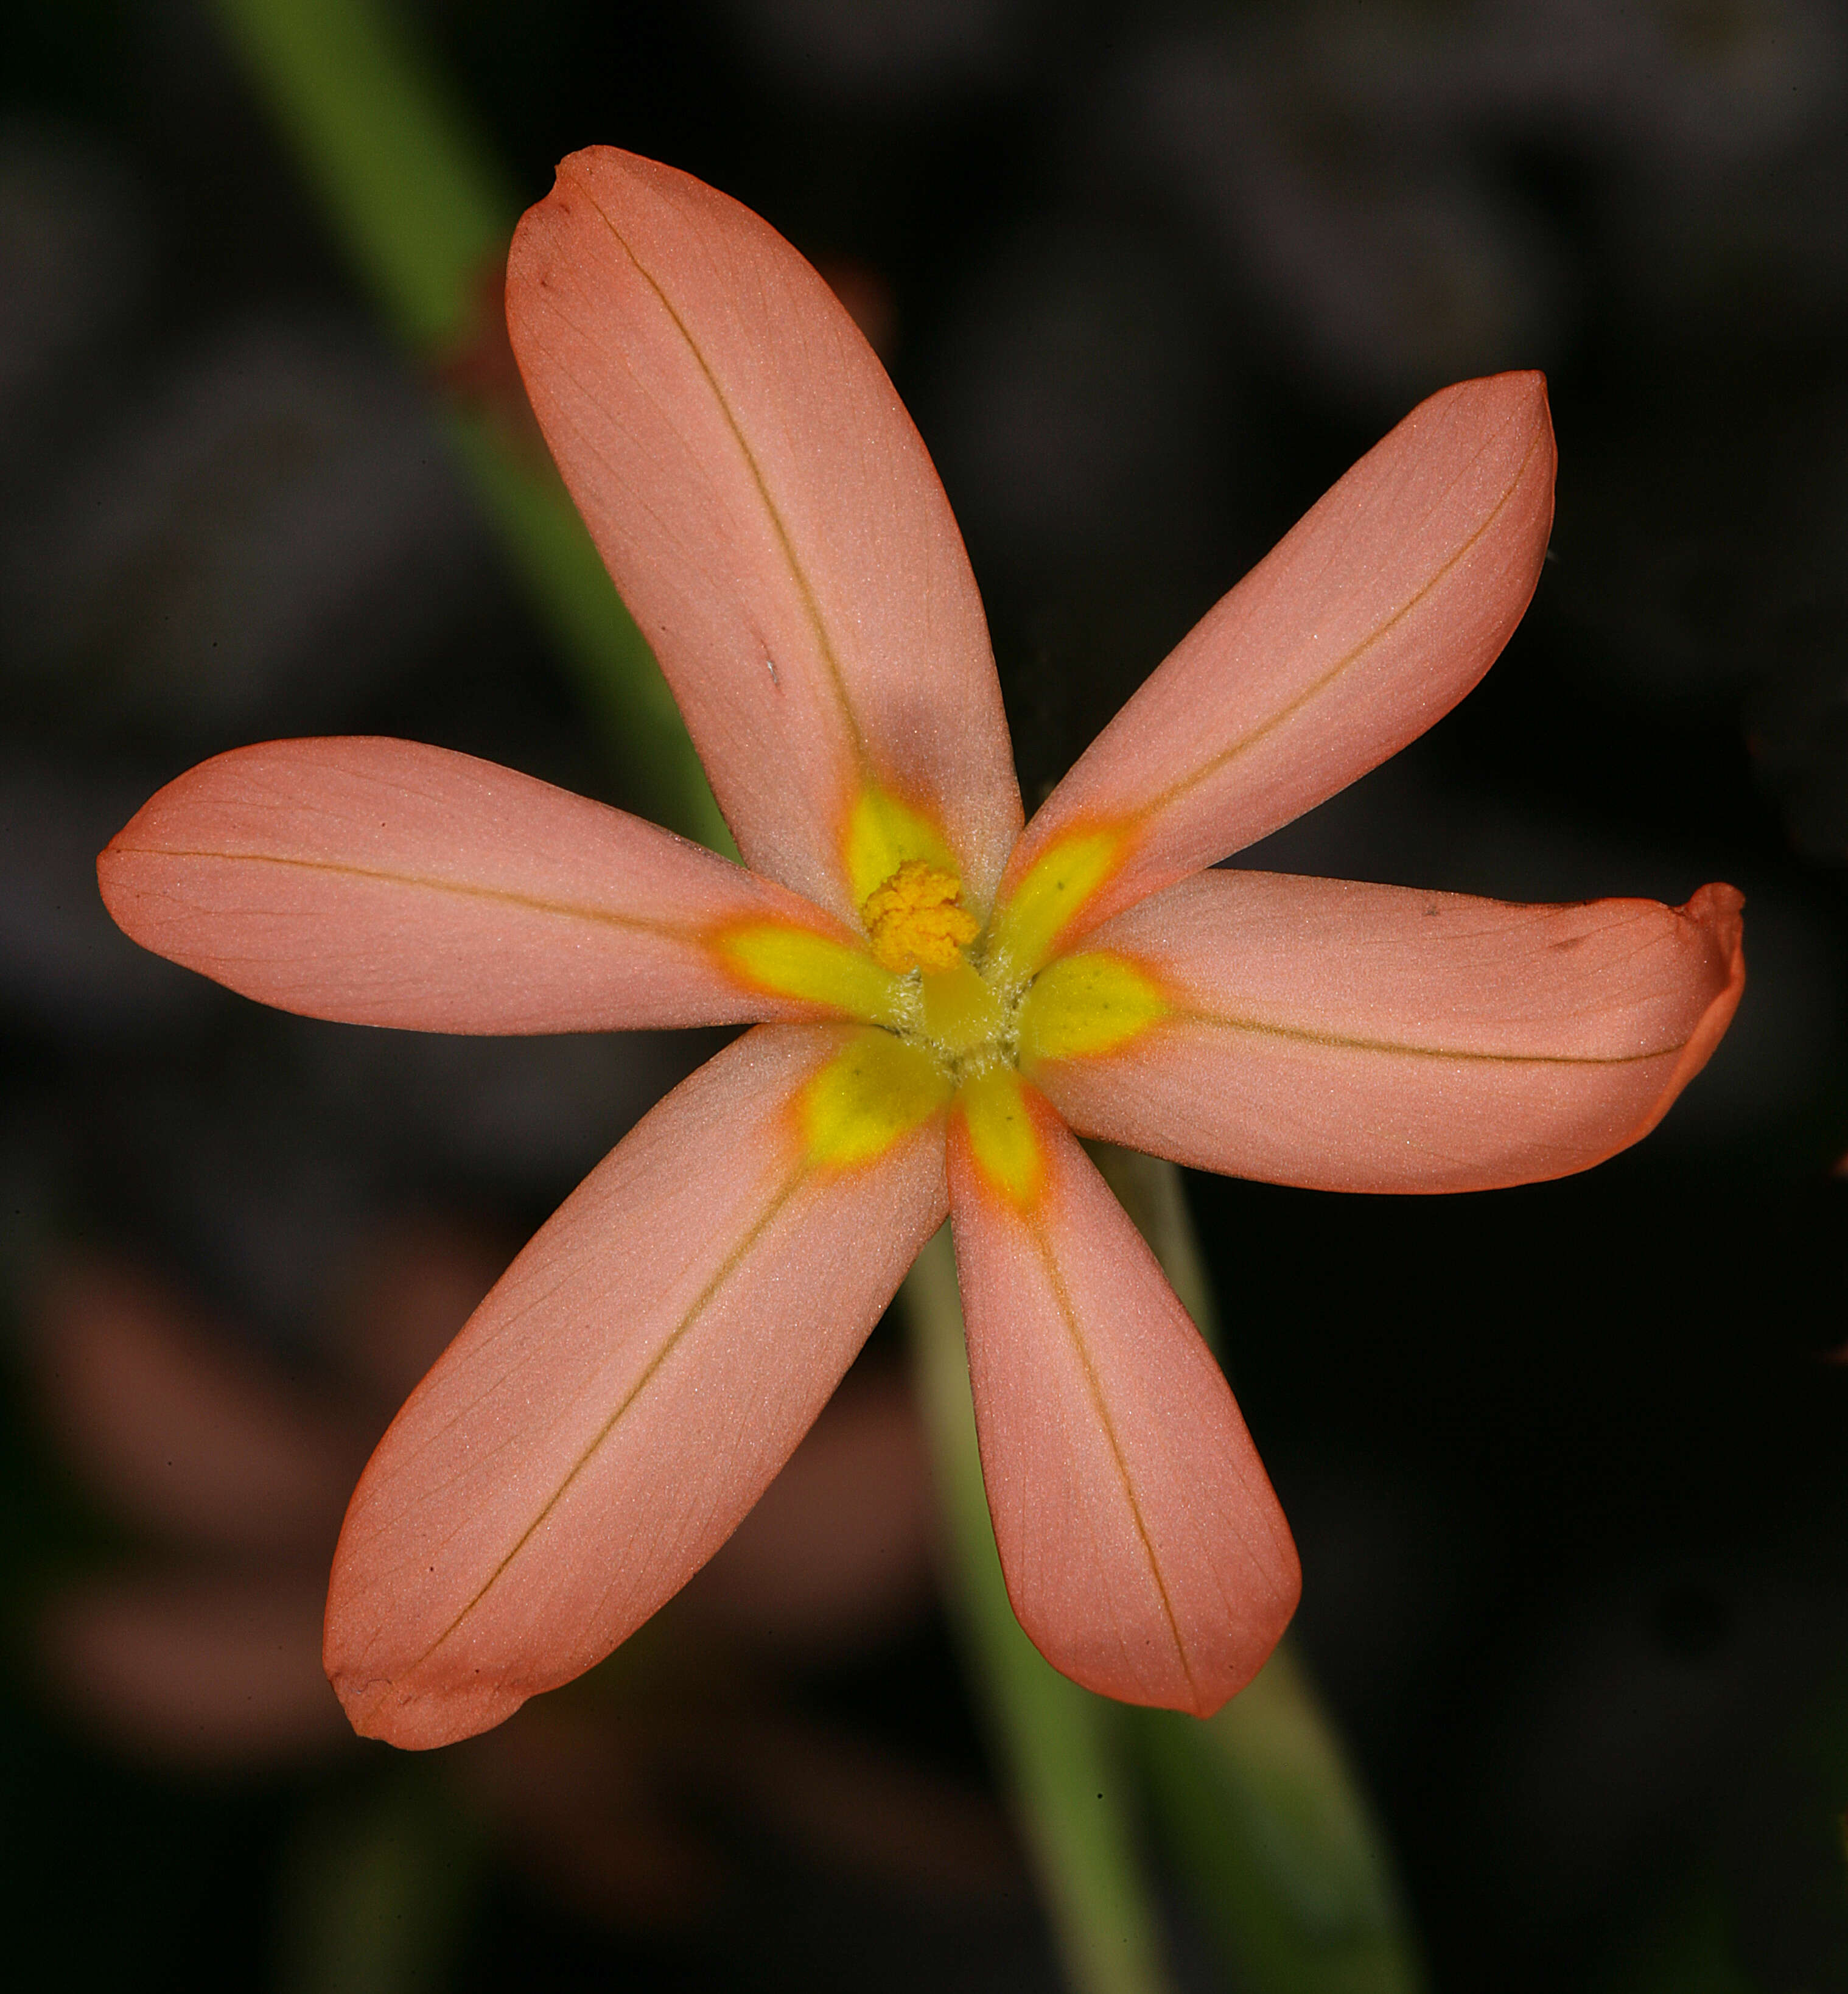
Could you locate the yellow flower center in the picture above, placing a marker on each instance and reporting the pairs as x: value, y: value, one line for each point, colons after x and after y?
x: 918, y: 929
x: 952, y: 1019
x: 916, y: 919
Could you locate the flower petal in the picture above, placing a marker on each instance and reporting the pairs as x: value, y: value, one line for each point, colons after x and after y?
x: 382, y: 882
x: 174, y: 1428
x: 626, y: 1391
x: 1369, y: 1038
x: 1373, y: 617
x: 198, y: 1669
x: 1144, y: 1550
x: 771, y: 518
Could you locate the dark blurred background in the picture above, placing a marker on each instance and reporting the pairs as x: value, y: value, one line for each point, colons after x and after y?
x: 1566, y: 1464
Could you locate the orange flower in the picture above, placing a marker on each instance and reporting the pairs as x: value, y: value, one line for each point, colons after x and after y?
x: 941, y: 996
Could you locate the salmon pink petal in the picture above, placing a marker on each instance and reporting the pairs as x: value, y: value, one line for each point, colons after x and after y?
x: 200, y: 1669
x: 175, y: 1429
x: 1144, y: 1550
x: 771, y: 518
x: 623, y: 1396
x: 381, y: 882
x: 1378, y: 611
x: 1367, y: 1038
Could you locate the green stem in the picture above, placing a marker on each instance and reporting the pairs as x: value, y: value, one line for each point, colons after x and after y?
x: 1269, y: 1827
x: 409, y: 191
x: 379, y: 1889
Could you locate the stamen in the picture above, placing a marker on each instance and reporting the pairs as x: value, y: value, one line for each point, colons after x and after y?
x: 914, y: 919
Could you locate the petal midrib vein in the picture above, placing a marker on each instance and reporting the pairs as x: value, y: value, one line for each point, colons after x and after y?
x: 1313, y: 691
x: 701, y: 1302
x: 811, y: 608
x: 1068, y: 1316
x: 425, y: 882
x: 1348, y: 1042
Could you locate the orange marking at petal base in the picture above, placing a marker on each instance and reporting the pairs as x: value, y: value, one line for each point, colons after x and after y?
x: 882, y: 834
x: 1057, y: 886
x: 1370, y: 620
x: 998, y: 1114
x: 782, y: 960
x: 868, y: 1098
x: 1366, y: 1038
x: 384, y: 882
x: 769, y: 516
x: 1085, y: 1004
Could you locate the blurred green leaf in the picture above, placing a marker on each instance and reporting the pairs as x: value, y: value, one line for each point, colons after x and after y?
x: 1690, y: 1951
x: 376, y: 1891
x: 402, y: 175
x: 1289, y: 1870
x: 1268, y: 1825
x: 413, y: 195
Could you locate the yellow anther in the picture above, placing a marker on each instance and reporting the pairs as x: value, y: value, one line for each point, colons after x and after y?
x: 913, y: 920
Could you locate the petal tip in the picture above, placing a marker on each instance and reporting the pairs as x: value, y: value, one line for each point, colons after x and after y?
x: 106, y: 870
x: 413, y: 1703
x: 1212, y: 1692
x: 121, y: 885
x: 1517, y: 402
x: 1720, y: 910
x: 420, y: 1720
x: 1522, y: 391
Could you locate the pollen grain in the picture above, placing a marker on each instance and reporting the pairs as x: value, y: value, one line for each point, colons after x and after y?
x: 915, y: 920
